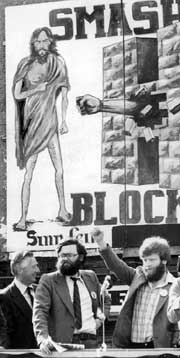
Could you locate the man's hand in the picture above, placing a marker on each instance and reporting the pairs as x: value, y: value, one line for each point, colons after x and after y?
x: 46, y: 346
x: 98, y: 236
x: 63, y: 128
x: 99, y: 318
x: 41, y: 87
x: 98, y: 323
x: 88, y: 104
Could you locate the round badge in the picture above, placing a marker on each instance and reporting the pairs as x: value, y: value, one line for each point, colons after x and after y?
x: 163, y: 293
x: 93, y: 295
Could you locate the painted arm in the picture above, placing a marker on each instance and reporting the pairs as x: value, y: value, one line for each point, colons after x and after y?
x: 173, y: 311
x: 64, y: 105
x: 20, y: 95
x: 88, y: 104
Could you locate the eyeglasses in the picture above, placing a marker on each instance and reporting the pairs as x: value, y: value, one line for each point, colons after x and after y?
x: 69, y: 256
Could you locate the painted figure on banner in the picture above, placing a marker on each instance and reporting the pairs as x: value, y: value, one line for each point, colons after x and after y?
x: 40, y: 78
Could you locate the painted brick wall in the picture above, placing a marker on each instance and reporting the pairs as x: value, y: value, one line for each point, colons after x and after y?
x: 115, y: 145
x: 169, y: 81
x: 118, y: 149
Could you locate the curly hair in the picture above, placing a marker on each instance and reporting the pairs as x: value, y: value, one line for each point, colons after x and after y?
x: 155, y: 245
x: 80, y: 248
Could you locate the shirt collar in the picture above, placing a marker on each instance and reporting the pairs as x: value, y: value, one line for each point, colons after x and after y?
x: 170, y: 278
x: 22, y: 288
x: 164, y: 281
x: 78, y: 275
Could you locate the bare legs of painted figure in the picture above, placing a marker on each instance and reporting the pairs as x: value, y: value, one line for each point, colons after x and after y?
x: 56, y: 158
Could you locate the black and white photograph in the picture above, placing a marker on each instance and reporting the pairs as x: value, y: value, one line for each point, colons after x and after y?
x: 90, y: 178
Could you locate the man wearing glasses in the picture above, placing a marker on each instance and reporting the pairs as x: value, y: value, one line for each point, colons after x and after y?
x: 67, y: 306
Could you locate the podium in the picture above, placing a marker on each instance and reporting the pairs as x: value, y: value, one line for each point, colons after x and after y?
x: 92, y: 353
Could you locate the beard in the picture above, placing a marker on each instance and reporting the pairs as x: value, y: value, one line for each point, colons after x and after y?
x: 69, y: 268
x: 157, y: 273
x: 41, y: 57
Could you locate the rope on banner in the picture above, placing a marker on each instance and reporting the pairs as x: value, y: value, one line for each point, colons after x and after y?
x: 124, y: 119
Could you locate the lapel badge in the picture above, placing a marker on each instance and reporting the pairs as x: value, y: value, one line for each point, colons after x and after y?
x: 93, y: 295
x: 163, y: 293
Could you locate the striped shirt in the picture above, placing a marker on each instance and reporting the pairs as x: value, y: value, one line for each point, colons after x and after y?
x: 145, y: 305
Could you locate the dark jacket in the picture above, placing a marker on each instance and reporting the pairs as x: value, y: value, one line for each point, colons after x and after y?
x: 18, y: 315
x: 165, y: 334
x: 3, y: 330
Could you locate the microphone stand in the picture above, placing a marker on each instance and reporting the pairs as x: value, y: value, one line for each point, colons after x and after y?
x: 108, y: 283
x: 104, y: 287
x: 103, y: 345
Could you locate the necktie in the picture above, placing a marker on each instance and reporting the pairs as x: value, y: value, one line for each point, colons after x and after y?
x: 28, y: 290
x: 77, y: 304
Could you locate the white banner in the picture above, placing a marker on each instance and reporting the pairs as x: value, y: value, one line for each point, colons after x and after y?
x: 84, y: 29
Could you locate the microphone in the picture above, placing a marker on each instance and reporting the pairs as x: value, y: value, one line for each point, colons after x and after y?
x: 106, y: 284
x: 109, y: 281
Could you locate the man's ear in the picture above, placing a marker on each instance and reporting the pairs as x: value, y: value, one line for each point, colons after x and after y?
x: 81, y: 257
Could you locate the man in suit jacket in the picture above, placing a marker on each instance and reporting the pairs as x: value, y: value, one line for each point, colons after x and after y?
x: 143, y: 321
x: 174, y: 302
x: 55, y: 315
x: 3, y: 331
x: 16, y: 301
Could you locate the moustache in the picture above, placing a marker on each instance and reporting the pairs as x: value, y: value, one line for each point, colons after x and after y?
x: 44, y: 49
